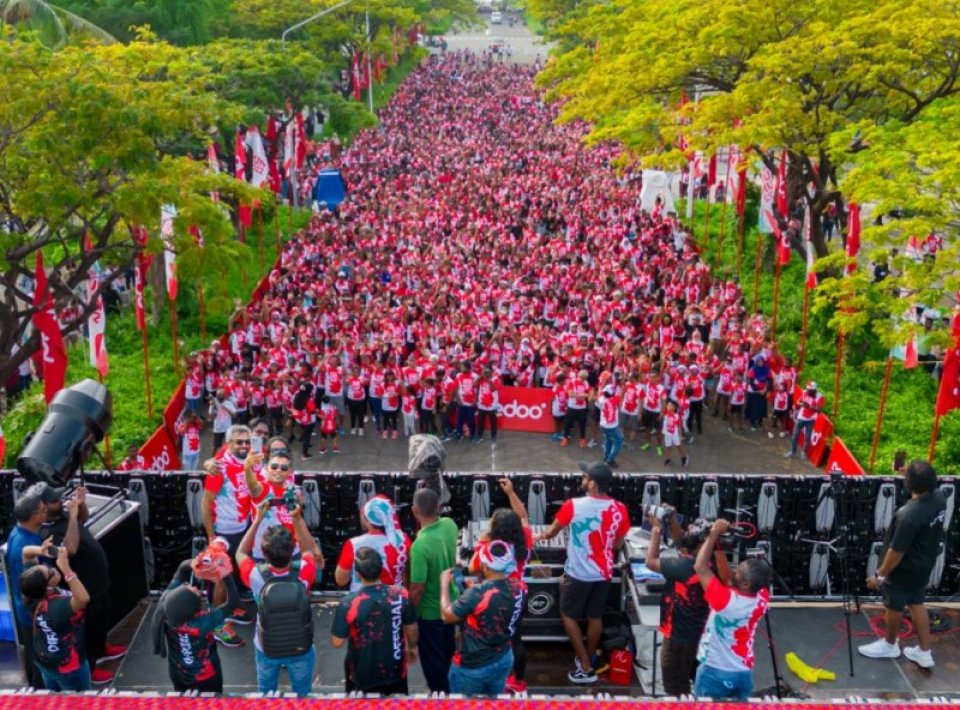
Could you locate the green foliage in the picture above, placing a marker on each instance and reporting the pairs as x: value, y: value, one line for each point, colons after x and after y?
x: 180, y: 22
x: 131, y: 425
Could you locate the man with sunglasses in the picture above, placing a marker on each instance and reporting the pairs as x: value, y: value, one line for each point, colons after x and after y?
x: 275, y: 484
x: 226, y: 511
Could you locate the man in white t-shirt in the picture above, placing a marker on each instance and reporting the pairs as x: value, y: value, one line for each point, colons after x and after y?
x: 726, y: 655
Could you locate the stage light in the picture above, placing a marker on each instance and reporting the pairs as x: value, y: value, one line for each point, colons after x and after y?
x: 77, y: 420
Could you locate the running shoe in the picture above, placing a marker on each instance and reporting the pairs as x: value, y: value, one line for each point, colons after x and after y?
x: 112, y: 651
x: 227, y: 636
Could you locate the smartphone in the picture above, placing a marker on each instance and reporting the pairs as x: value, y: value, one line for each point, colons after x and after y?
x: 276, y: 502
x: 53, y: 551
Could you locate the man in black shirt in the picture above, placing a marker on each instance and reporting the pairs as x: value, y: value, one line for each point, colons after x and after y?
x: 910, y: 551
x: 683, y: 608
x: 65, y: 523
x: 375, y: 620
x: 489, y: 612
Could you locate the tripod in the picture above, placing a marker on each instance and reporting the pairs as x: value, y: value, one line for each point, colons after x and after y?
x: 840, y: 547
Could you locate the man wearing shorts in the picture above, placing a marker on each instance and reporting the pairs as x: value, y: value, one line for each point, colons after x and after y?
x: 910, y: 551
x: 597, y: 525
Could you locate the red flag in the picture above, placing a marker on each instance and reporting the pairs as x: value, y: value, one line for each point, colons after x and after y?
x: 742, y: 191
x: 910, y: 358
x: 853, y: 236
x: 365, y: 71
x: 355, y: 75
x: 272, y: 129
x: 140, y: 274
x: 240, y: 168
x: 712, y: 171
x: 275, y: 182
x: 53, y: 352
x: 301, y: 152
x: 783, y: 241
x: 246, y: 215
x: 782, y: 207
x: 811, y: 274
x: 948, y: 397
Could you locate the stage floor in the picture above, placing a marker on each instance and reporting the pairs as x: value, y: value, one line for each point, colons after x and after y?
x: 815, y: 633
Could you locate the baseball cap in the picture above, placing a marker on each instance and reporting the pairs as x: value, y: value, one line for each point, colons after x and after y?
x: 598, y: 472
x: 46, y: 492
x: 811, y: 385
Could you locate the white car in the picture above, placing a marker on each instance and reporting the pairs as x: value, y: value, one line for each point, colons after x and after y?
x: 496, y: 18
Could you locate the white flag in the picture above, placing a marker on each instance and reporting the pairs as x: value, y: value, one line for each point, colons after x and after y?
x: 261, y: 169
x: 168, y: 213
x: 97, y: 325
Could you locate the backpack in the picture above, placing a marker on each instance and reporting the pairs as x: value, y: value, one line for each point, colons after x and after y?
x: 284, y: 618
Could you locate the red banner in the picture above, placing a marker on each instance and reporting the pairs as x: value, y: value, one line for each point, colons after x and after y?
x: 525, y: 409
x: 842, y: 461
x: 173, y: 412
x: 822, y: 431
x: 159, y: 453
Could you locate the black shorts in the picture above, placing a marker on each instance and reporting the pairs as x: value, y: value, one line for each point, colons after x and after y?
x: 583, y: 600
x: 650, y: 420
x: 898, y: 598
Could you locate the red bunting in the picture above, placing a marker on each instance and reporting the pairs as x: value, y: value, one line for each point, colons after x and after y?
x: 52, y: 351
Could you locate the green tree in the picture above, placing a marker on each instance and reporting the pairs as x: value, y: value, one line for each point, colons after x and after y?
x: 85, y: 148
x: 56, y: 24
x: 783, y: 74
x: 180, y: 22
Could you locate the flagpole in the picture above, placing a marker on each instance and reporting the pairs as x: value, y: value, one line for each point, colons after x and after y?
x: 803, y: 327
x: 740, y: 226
x: 146, y: 370
x: 883, y: 403
x: 706, y: 221
x: 756, y: 270
x: 260, y: 231
x: 203, y: 315
x: 173, y: 329
x: 836, y: 377
x: 933, y: 438
x: 106, y: 437
x: 776, y: 297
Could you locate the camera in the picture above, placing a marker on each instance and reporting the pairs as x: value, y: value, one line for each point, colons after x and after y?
x: 289, y: 499
x: 662, y: 513
x: 53, y: 551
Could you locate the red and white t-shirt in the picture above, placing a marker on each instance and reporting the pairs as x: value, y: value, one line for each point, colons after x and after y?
x: 653, y: 397
x: 578, y: 392
x: 727, y: 641
x: 191, y: 439
x: 488, y: 395
x: 807, y: 404
x: 231, y: 504
x: 467, y: 388
x: 595, y: 525
x: 609, y: 411
x: 394, y: 560
x: 333, y: 382
x: 276, y: 515
x: 355, y: 389
x: 631, y: 400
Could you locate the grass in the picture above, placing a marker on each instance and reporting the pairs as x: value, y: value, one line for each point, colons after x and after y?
x: 908, y: 416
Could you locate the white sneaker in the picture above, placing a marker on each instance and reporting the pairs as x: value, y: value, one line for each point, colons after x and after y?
x: 353, y: 432
x: 360, y: 432
x: 880, y: 649
x: 922, y: 658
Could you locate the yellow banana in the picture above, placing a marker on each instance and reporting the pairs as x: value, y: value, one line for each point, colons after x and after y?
x: 807, y: 673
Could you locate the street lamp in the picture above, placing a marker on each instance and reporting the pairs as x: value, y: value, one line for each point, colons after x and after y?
x: 283, y: 42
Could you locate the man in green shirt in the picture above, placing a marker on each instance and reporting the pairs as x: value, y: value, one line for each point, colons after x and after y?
x: 434, y: 551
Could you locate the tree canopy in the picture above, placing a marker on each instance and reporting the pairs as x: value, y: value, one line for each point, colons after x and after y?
x: 844, y: 86
x: 85, y: 137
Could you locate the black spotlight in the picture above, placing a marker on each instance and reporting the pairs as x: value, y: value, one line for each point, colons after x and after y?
x: 77, y: 420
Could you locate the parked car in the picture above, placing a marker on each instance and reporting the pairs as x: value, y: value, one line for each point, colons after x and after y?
x: 496, y: 18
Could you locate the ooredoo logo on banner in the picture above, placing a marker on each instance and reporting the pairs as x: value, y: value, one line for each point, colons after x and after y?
x: 525, y: 409
x: 158, y: 453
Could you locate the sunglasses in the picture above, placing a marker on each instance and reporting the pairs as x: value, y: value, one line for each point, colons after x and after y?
x: 241, y: 442
x: 280, y: 466
x: 280, y: 452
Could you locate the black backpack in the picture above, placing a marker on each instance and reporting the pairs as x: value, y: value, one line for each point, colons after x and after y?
x: 284, y: 618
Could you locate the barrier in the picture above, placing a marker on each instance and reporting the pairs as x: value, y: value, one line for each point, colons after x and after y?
x: 174, y: 701
x: 525, y: 409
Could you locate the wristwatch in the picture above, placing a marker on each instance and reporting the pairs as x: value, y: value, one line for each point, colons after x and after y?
x: 880, y: 578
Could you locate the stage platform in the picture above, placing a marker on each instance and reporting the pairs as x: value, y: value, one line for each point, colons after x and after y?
x: 816, y: 633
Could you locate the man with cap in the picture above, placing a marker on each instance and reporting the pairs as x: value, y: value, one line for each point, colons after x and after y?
x: 30, y: 512
x: 66, y: 524
x: 380, y: 624
x: 597, y: 525
x: 489, y: 612
x: 807, y: 408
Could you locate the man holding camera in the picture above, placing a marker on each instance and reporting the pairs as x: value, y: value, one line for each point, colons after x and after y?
x: 726, y: 649
x: 683, y: 609
x: 910, y: 550
x: 65, y: 523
